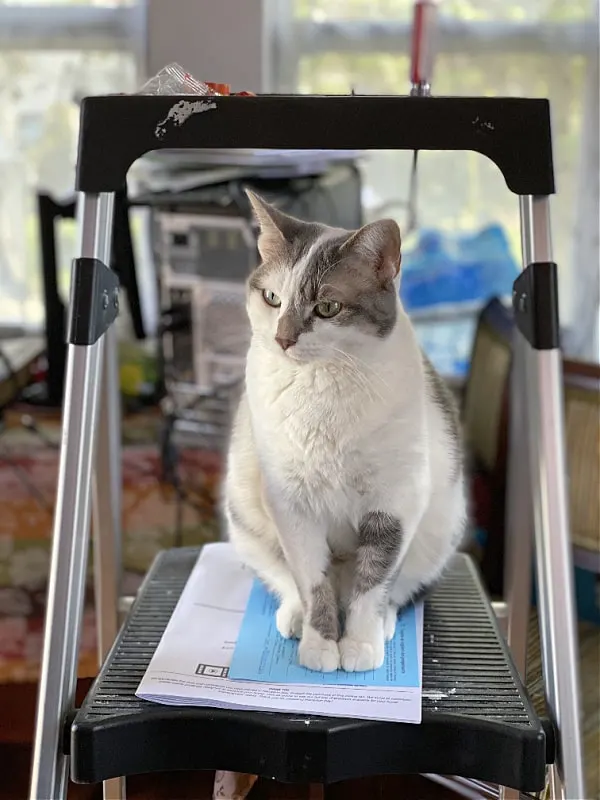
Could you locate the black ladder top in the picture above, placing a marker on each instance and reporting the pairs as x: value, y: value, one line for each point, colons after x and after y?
x: 118, y: 129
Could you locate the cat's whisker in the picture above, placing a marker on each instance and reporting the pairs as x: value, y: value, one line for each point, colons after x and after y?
x: 370, y: 369
x: 356, y: 374
x: 347, y: 361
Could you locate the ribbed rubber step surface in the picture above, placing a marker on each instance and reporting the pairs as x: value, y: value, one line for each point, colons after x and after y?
x: 477, y: 720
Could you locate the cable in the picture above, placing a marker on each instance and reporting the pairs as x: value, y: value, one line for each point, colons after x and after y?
x: 28, y: 422
x: 172, y: 459
x: 410, y: 204
x: 411, y: 222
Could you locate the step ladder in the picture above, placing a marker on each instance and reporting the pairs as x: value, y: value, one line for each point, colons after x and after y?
x: 477, y: 720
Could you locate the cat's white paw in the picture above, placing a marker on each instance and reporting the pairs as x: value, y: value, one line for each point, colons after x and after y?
x: 317, y: 653
x: 289, y: 619
x: 361, y: 656
x: 389, y: 623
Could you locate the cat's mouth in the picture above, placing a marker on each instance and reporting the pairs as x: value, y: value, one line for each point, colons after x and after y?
x: 300, y: 352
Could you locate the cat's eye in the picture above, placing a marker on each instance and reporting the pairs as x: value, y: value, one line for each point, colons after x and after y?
x: 328, y: 309
x: 271, y: 298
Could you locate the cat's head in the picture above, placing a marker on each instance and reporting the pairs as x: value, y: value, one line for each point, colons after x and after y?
x: 321, y: 290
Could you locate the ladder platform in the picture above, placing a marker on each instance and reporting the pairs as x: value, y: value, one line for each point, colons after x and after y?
x: 477, y: 719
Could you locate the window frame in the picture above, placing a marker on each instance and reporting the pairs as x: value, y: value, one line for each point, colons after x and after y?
x: 296, y: 38
x: 75, y: 27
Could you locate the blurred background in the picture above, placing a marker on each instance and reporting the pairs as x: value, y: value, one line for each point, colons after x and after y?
x: 52, y: 53
x: 184, y: 243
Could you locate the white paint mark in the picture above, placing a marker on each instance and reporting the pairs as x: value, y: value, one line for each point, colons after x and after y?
x: 181, y: 112
x: 435, y: 694
x: 435, y: 661
x: 452, y: 691
x: 482, y: 124
x: 431, y: 638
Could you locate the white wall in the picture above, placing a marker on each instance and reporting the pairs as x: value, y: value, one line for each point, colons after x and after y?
x: 226, y: 41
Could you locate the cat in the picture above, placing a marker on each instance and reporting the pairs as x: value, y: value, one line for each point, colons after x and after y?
x: 344, y: 489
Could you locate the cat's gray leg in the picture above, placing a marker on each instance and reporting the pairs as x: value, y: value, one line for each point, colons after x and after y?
x: 341, y: 572
x: 257, y: 543
x: 380, y: 537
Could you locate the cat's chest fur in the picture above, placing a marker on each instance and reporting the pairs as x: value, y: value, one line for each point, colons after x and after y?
x: 315, y: 429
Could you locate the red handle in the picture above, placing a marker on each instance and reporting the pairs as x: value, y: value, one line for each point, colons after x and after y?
x: 424, y: 20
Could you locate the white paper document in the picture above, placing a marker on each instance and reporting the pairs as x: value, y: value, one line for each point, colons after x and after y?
x: 191, y: 663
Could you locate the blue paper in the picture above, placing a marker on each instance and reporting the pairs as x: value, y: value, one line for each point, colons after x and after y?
x: 262, y: 654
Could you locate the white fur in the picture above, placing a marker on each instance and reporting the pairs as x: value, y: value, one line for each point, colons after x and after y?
x: 337, y: 426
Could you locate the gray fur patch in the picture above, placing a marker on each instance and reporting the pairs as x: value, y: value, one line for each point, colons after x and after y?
x: 365, y: 301
x: 443, y: 398
x: 291, y: 324
x: 379, y: 542
x: 324, y: 611
x: 378, y: 310
x: 323, y: 261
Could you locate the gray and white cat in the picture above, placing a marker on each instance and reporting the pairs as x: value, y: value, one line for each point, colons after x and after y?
x: 345, y: 490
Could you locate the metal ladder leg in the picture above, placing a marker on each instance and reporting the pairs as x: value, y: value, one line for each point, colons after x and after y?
x: 519, y: 510
x: 106, y: 518
x: 106, y: 502
x: 70, y: 536
x: 554, y: 565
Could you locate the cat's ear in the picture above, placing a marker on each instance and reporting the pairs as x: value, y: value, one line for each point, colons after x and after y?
x: 276, y: 228
x: 378, y: 243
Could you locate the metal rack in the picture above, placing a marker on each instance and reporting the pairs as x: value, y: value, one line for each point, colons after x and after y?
x: 115, y: 131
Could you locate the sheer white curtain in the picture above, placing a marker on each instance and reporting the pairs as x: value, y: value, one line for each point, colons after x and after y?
x: 583, y: 338
x: 539, y: 48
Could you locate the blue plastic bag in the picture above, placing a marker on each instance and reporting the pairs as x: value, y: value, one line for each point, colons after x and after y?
x: 446, y: 269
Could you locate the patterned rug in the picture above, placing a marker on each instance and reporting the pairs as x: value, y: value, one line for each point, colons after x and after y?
x: 152, y: 513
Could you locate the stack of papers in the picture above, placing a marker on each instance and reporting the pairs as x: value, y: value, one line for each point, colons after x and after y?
x: 184, y: 170
x: 221, y: 649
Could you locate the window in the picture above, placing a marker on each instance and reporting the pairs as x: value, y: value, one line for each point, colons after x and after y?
x: 540, y: 48
x: 49, y: 58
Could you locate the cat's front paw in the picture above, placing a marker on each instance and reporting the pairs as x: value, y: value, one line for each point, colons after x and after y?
x: 317, y: 653
x: 289, y: 619
x: 361, y: 656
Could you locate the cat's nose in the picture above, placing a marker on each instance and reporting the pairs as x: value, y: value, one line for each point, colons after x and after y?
x: 284, y: 343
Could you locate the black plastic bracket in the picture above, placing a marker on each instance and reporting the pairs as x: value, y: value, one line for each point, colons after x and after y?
x: 513, y: 132
x: 535, y: 305
x: 94, y: 301
x: 550, y: 733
